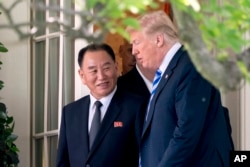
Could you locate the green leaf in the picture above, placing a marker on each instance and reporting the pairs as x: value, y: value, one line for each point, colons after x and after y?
x: 9, y: 120
x: 123, y: 33
x: 91, y: 4
x: 3, y: 107
x: 131, y: 22
x: 222, y: 56
x: 11, y: 138
x: 8, y: 130
x: 3, y: 115
x: 244, y: 70
x: 2, y: 48
x: 14, y: 148
x: 1, y: 84
x: 13, y: 125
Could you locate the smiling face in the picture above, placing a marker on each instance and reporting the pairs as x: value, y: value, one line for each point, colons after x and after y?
x: 99, y: 73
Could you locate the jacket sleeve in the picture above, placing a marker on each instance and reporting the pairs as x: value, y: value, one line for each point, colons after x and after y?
x: 192, y: 100
x: 62, y: 150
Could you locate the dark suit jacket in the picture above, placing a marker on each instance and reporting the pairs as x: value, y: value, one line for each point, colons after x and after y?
x: 114, y: 146
x: 133, y: 82
x: 186, y: 125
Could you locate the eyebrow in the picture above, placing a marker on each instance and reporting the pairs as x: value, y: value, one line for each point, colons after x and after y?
x: 93, y: 67
x: 135, y: 41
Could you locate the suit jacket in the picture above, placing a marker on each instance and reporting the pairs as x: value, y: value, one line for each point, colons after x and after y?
x: 186, y: 125
x: 133, y: 82
x: 116, y: 145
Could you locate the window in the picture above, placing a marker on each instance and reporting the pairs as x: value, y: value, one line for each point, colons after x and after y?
x: 52, y: 82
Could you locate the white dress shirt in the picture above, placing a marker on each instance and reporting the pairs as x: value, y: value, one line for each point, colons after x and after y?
x: 148, y: 83
x: 169, y: 56
x: 105, y: 103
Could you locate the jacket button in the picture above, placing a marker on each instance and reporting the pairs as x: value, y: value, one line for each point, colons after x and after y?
x: 88, y: 165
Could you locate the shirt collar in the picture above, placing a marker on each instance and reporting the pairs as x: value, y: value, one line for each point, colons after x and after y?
x: 169, y: 56
x: 105, y: 100
x: 146, y: 81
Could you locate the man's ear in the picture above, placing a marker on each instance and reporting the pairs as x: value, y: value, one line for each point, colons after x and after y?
x: 159, y: 40
x: 80, y: 72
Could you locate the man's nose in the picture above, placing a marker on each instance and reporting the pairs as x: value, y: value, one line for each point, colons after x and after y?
x: 100, y: 74
x: 134, y: 51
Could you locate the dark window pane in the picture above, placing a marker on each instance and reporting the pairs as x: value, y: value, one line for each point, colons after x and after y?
x: 53, y: 84
x: 52, y: 148
x: 39, y: 153
x: 39, y: 86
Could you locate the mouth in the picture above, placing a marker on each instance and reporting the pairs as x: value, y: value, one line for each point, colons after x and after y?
x: 139, y: 60
x: 103, y: 85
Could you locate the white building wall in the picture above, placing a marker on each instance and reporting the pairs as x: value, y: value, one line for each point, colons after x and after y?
x: 231, y: 100
x: 239, y: 110
x: 15, y: 73
x: 245, y: 118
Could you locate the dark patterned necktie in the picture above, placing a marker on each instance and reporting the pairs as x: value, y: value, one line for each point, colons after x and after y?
x: 96, y: 122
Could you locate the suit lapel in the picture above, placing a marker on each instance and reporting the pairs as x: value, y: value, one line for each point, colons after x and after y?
x: 107, y: 122
x: 84, y: 110
x: 163, y: 82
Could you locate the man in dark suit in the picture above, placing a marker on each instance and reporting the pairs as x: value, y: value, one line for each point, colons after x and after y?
x: 134, y: 78
x: 185, y: 125
x: 116, y: 143
x: 133, y: 82
x: 125, y: 53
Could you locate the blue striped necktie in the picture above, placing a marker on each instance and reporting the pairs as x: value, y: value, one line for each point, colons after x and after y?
x: 156, y: 81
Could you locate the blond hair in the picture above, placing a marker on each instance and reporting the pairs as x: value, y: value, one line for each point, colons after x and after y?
x: 158, y: 22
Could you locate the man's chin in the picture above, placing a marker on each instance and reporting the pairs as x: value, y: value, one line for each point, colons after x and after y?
x: 105, y: 92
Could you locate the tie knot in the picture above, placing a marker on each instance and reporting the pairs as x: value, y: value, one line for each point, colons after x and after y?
x: 98, y: 104
x: 158, y: 72
x: 157, y: 77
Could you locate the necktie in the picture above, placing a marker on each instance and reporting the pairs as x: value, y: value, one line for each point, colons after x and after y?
x: 156, y: 81
x: 96, y: 122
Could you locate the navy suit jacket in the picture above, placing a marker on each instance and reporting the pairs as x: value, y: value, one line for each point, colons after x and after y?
x: 133, y: 82
x: 186, y: 125
x: 114, y: 146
